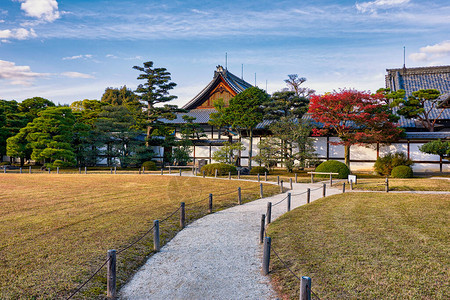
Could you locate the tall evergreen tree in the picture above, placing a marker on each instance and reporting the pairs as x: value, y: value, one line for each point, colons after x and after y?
x: 155, y: 91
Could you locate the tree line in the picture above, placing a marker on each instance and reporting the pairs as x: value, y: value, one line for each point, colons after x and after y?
x: 124, y: 125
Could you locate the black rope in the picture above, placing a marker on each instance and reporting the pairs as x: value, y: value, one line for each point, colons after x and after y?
x: 134, y: 243
x: 298, y: 194
x: 90, y: 278
x: 287, y: 267
x: 280, y: 201
x: 314, y: 294
x: 187, y: 204
x: 179, y: 207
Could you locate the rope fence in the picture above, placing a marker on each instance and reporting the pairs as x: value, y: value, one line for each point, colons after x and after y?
x: 154, y: 228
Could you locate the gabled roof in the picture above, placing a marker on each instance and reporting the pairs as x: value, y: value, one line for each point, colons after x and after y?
x: 235, y: 83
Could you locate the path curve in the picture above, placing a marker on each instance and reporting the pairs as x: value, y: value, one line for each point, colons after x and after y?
x: 215, y: 257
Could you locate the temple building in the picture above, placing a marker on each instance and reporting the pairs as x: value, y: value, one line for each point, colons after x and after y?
x: 225, y: 85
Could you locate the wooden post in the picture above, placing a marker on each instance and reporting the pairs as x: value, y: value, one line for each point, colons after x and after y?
x: 215, y: 173
x: 196, y: 171
x: 387, y: 185
x: 4, y: 169
x: 343, y: 187
x: 180, y: 172
x: 266, y: 255
x: 85, y: 170
x: 312, y: 177
x: 289, y: 202
x: 110, y: 171
x: 79, y: 170
x: 290, y: 183
x: 263, y: 228
x: 281, y: 187
x: 239, y: 196
x: 170, y: 170
x: 210, y: 204
x: 305, y: 288
x: 162, y: 171
x: 324, y: 191
x: 203, y: 174
x: 156, y: 245
x: 229, y: 175
x: 331, y: 179
x: 49, y: 170
x: 269, y: 213
x: 239, y: 174
x: 259, y: 179
x: 261, y: 192
x: 296, y: 178
x: 182, y: 215
x: 143, y: 170
x: 139, y: 171
x: 57, y: 170
x: 308, y: 195
x: 21, y: 170
x: 278, y: 180
x: 29, y: 171
x: 115, y: 170
x: 111, y: 275
x: 351, y: 185
x: 265, y: 176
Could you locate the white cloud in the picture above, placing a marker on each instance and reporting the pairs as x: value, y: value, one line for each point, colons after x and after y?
x: 81, y: 56
x: 111, y: 56
x: 432, y: 52
x: 20, y: 75
x: 46, y: 10
x: 17, y: 33
x: 76, y: 75
x: 373, y: 6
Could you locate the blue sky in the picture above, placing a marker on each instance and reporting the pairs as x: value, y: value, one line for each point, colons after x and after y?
x: 69, y: 50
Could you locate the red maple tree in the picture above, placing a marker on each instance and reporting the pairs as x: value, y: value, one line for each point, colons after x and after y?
x: 356, y: 117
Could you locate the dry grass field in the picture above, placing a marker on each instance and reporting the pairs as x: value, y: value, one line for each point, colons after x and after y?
x: 366, y: 246
x: 55, y: 230
x: 397, y: 184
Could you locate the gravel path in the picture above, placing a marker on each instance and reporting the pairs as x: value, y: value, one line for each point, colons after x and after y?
x: 215, y: 257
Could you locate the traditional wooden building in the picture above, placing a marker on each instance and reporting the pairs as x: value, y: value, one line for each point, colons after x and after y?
x: 225, y: 85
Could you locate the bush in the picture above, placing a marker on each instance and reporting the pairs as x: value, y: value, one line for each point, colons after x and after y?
x: 385, y: 164
x: 333, y: 166
x: 222, y: 169
x: 58, y: 163
x: 5, y: 163
x: 258, y: 170
x: 402, y: 172
x: 149, y: 165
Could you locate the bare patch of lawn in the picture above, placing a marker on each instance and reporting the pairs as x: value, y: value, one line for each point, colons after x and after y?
x: 55, y: 229
x: 366, y: 246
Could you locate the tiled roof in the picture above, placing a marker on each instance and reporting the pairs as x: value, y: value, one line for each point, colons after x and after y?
x: 236, y: 84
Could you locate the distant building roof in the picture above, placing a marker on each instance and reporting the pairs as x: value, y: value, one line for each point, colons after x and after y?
x: 232, y: 82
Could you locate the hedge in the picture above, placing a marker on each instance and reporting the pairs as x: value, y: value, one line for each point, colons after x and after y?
x: 333, y: 166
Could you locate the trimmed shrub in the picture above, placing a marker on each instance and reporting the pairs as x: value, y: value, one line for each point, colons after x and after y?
x: 58, y: 163
x: 222, y: 169
x: 402, y: 172
x: 258, y: 170
x: 385, y: 164
x: 333, y: 166
x: 5, y: 163
x: 149, y: 165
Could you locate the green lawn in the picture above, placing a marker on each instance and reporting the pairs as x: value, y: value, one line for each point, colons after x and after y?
x: 366, y: 246
x: 55, y: 230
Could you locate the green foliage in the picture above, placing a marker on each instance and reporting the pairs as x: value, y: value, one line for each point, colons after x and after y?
x: 402, y: 172
x: 259, y: 170
x: 285, y: 104
x: 228, y: 152
x: 333, y: 166
x: 385, y: 164
x: 222, y: 169
x: 437, y: 147
x: 243, y: 113
x: 269, y: 149
x: 414, y: 106
x: 149, y: 165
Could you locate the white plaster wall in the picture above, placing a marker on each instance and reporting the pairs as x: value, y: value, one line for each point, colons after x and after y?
x: 416, y: 154
x: 361, y: 166
x: 201, y: 151
x: 320, y: 144
x: 446, y: 168
x: 244, y: 162
x: 425, y: 167
x: 363, y: 153
x: 393, y: 148
x: 336, y: 150
x: 246, y: 143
